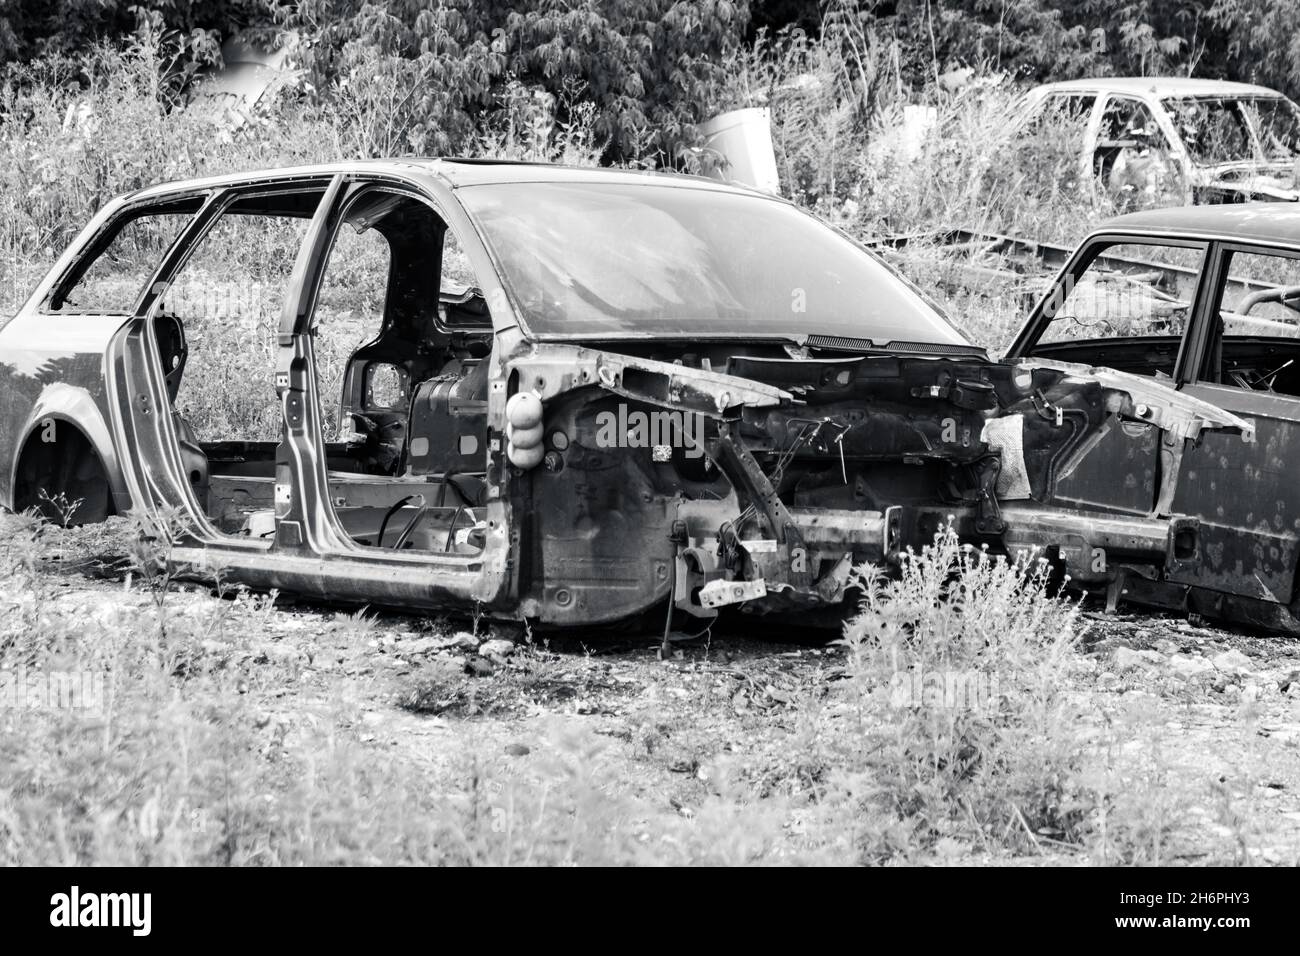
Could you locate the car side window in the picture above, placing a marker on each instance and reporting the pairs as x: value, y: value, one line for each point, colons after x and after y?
x: 1072, y: 110
x: 1132, y: 159
x: 1050, y: 145
x: 1126, y: 122
x: 1214, y: 129
x: 1261, y: 295
x: 457, y: 273
x: 1277, y: 121
x: 1126, y: 290
x: 115, y: 278
x: 460, y: 300
x: 1255, y: 343
x: 227, y: 297
x: 1058, y: 127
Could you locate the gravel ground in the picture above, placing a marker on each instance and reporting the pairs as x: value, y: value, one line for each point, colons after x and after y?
x: 1215, y: 714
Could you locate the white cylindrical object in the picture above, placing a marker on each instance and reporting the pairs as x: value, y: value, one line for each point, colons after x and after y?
x: 743, y: 138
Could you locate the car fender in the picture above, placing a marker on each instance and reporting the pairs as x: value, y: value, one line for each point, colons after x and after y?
x: 72, y: 404
x: 1178, y: 413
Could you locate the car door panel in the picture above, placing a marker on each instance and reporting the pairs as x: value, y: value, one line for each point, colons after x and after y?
x: 1117, y: 474
x: 1244, y: 491
x: 1121, y: 302
x: 1246, y: 496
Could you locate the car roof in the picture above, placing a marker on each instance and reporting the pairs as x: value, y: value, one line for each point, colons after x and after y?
x: 1276, y: 223
x: 474, y: 172
x: 455, y: 172
x: 1159, y: 86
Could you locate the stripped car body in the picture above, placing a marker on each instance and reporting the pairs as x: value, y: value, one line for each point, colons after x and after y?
x: 655, y: 389
x: 1206, y: 141
x: 1205, y: 300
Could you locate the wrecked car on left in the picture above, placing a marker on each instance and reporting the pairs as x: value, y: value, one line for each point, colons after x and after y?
x: 567, y: 396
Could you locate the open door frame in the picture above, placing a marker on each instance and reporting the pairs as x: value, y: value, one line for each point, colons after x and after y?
x: 306, y: 523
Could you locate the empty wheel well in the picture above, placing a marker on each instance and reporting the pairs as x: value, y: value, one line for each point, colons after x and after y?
x: 60, y: 474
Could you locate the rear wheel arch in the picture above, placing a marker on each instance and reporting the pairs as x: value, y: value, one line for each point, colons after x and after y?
x: 59, y: 467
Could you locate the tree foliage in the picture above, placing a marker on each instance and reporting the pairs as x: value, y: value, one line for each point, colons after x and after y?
x: 1044, y: 40
x: 1264, y: 41
x: 30, y: 28
x: 431, y: 75
x: 645, y: 65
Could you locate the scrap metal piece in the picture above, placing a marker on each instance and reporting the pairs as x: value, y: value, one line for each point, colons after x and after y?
x: 1006, y: 436
x: 1090, y: 543
x: 1176, y: 412
x: 721, y: 593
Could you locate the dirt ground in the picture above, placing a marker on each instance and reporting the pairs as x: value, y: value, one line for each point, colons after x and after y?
x: 1219, y: 711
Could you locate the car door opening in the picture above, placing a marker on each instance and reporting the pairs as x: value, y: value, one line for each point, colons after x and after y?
x: 402, y: 335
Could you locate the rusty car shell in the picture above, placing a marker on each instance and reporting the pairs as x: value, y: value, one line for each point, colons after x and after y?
x: 817, y: 450
x: 1260, y: 170
x: 1238, y: 488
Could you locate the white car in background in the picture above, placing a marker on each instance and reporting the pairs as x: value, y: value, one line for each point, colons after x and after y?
x: 1168, y: 141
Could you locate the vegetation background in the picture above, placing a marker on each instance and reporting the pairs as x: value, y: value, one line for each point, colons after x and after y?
x: 94, y: 93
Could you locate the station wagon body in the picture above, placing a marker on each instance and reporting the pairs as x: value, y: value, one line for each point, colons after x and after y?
x: 566, y: 396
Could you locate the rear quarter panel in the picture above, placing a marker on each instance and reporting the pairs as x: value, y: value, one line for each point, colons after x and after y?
x: 52, y: 367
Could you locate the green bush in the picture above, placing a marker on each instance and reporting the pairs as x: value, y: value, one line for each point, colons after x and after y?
x: 955, y: 721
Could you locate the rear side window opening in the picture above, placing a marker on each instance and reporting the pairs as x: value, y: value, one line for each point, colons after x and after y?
x: 1254, y: 336
x: 110, y: 277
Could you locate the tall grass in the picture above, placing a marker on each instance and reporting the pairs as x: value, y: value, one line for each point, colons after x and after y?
x: 961, y: 721
x: 76, y: 131
x: 955, y: 731
x: 878, y: 159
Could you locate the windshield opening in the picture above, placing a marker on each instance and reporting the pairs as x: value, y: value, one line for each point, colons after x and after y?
x: 1278, y: 122
x: 1222, y: 129
x: 597, y: 259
